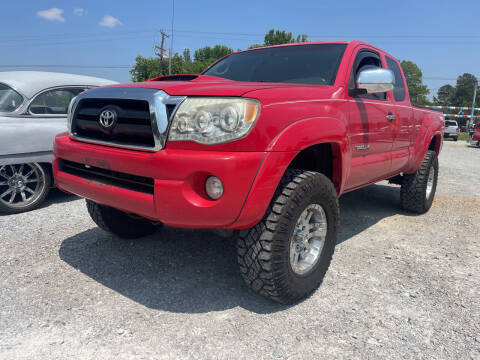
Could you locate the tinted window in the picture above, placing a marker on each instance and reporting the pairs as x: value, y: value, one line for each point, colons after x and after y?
x: 364, y: 60
x: 10, y: 100
x: 450, y: 123
x: 54, y: 102
x: 300, y: 64
x: 399, y: 89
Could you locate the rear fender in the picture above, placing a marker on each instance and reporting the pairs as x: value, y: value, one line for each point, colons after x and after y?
x: 429, y: 130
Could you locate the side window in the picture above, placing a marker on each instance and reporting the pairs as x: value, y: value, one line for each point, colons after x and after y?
x: 399, y: 89
x: 54, y: 102
x: 365, y: 59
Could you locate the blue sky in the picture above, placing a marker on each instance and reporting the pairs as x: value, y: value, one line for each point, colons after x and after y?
x: 442, y: 37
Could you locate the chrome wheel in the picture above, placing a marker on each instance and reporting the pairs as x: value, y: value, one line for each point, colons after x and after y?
x: 430, y: 181
x: 308, y: 239
x: 21, y: 185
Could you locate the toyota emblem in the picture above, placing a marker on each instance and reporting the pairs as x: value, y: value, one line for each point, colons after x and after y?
x: 108, y: 118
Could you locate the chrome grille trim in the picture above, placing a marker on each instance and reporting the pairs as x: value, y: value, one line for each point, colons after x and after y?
x: 157, y: 100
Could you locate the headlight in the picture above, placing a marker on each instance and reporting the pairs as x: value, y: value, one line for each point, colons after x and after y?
x: 213, y: 120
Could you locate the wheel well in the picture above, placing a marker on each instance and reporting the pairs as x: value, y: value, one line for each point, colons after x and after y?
x: 435, y: 144
x: 323, y: 158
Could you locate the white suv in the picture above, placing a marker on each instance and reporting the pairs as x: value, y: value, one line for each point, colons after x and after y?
x: 451, y: 129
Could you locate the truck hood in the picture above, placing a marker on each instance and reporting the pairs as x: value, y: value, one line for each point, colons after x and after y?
x: 199, y: 85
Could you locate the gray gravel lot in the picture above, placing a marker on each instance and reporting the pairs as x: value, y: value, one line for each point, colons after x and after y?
x: 399, y: 287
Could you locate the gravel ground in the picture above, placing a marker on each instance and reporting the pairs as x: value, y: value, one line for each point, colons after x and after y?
x: 399, y: 287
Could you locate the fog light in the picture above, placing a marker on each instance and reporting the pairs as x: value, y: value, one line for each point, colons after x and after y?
x: 214, y: 187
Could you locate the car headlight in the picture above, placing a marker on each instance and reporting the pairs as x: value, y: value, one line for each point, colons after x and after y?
x: 208, y: 120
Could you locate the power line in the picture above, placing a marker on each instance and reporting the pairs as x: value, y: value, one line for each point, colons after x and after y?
x: 194, y: 34
x: 402, y: 36
x: 74, y: 35
x: 68, y: 66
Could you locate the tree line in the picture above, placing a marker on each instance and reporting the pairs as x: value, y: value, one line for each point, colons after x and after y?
x: 149, y: 67
x: 459, y: 95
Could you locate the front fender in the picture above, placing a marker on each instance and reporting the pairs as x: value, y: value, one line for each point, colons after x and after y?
x: 308, y: 132
x: 304, y: 133
x: 281, y: 151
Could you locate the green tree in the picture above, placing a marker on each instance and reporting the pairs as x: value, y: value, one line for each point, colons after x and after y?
x: 464, y: 88
x: 149, y: 67
x: 445, y: 95
x: 277, y: 37
x: 418, y: 92
x: 146, y: 68
x: 210, y: 54
x: 186, y: 55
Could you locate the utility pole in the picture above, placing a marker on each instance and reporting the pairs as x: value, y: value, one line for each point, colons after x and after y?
x: 160, y: 50
x: 171, y: 41
x: 473, y: 106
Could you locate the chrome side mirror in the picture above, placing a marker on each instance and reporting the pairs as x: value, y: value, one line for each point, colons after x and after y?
x: 375, y: 80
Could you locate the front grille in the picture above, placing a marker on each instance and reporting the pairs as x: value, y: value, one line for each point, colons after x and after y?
x: 133, y: 125
x: 108, y: 177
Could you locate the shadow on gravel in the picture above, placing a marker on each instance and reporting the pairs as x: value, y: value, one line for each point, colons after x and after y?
x: 195, y: 271
x: 364, y: 207
x: 174, y: 270
x: 55, y: 196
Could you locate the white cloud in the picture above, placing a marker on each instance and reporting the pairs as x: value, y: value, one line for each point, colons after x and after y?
x: 53, y: 14
x: 80, y: 11
x: 109, y: 21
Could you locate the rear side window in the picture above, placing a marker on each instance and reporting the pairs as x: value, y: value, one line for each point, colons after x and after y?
x: 53, y: 102
x: 399, y: 89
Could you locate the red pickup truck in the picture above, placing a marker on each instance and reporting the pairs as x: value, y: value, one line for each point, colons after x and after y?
x: 263, y: 142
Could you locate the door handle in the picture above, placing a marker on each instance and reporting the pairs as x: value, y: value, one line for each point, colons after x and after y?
x: 391, y: 117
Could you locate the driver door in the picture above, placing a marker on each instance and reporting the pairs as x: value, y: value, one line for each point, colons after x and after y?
x: 369, y: 129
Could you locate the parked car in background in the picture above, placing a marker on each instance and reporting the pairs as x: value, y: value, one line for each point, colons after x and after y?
x: 474, y: 138
x: 33, y: 109
x: 451, y: 129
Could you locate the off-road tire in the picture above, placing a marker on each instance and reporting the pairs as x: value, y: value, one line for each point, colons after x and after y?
x: 263, y: 250
x: 414, y: 187
x: 119, y: 223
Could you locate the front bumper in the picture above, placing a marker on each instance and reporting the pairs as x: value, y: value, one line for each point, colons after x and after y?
x: 178, y: 197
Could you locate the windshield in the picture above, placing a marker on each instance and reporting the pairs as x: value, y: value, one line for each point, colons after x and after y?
x: 10, y: 100
x: 300, y: 64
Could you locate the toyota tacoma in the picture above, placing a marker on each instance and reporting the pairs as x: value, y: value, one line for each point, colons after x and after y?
x: 261, y: 144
